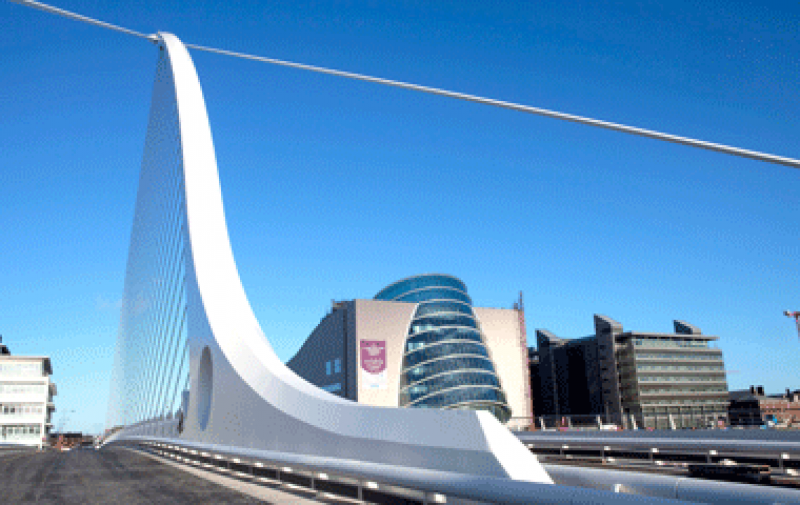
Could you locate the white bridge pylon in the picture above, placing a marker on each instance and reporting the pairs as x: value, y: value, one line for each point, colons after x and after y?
x: 239, y: 392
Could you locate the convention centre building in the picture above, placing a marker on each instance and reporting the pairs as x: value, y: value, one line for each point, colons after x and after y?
x: 420, y: 343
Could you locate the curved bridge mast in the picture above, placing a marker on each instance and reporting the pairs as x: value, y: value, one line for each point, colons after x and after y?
x: 183, y: 291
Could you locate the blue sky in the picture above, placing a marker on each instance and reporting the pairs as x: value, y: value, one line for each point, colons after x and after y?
x: 334, y: 189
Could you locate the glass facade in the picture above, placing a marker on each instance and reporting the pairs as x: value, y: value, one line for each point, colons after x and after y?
x: 393, y: 291
x: 450, y: 364
x: 446, y: 363
x: 446, y: 381
x: 441, y: 334
x: 443, y: 350
x: 425, y: 294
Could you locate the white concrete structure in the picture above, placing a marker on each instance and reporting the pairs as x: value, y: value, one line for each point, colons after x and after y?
x: 26, y: 398
x: 183, y: 297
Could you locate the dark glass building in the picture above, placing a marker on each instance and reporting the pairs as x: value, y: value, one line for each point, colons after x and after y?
x: 446, y: 363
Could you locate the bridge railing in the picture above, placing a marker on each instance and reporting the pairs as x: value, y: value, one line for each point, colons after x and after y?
x: 374, y: 482
x: 682, y: 488
x: 711, y: 447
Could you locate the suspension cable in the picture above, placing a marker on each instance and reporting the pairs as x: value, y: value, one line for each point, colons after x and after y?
x: 85, y: 19
x: 643, y: 132
x: 736, y: 151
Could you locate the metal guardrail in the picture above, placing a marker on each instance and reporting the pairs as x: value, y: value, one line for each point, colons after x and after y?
x: 781, y: 455
x: 681, y: 488
x: 373, y: 482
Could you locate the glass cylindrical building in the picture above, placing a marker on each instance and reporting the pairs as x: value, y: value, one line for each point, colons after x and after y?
x: 446, y: 363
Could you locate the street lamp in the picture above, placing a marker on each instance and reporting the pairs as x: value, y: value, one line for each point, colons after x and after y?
x: 796, y: 316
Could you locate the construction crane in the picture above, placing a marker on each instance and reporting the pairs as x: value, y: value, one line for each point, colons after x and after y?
x: 796, y: 316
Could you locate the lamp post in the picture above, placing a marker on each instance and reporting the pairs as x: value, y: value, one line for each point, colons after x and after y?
x: 796, y: 316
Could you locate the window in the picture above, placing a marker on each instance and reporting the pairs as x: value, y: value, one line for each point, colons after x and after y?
x: 22, y: 388
x: 19, y: 431
x: 337, y: 365
x: 671, y: 356
x: 328, y: 370
x: 443, y: 350
x: 20, y: 409
x: 415, y: 345
x: 21, y: 369
x: 669, y: 342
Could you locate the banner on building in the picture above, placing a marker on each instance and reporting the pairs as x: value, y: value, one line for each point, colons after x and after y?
x: 373, y: 364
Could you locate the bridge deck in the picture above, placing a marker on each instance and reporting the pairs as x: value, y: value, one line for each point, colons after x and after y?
x: 111, y: 476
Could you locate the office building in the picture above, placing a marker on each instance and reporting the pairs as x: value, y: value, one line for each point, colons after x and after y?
x: 651, y: 380
x: 536, y: 384
x: 419, y: 343
x: 26, y: 398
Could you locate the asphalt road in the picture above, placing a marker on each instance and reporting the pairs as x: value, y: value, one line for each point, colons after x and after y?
x: 110, y: 476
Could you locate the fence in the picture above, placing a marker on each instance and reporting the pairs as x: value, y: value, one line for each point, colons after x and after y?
x: 662, y: 421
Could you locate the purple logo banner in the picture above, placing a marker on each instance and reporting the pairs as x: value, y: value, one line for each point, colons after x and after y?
x: 373, y: 356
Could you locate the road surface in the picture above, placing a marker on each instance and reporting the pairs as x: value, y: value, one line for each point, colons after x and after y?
x: 111, y: 476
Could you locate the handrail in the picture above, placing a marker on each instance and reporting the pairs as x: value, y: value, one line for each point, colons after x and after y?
x: 682, y: 488
x: 433, y: 482
x: 633, y: 440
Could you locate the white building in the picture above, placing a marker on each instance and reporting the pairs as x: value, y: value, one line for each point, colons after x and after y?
x: 26, y: 398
